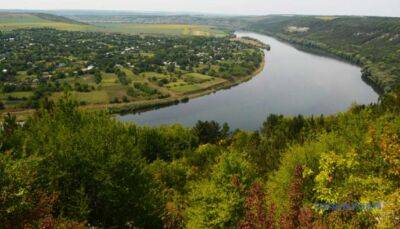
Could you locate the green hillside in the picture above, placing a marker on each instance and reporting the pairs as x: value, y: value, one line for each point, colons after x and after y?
x: 68, y: 167
x: 10, y: 21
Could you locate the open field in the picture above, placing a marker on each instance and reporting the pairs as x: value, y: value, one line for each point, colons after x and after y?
x: 10, y: 21
x: 327, y: 18
x: 169, y: 29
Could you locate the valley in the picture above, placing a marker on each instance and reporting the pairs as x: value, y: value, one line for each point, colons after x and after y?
x: 127, y: 119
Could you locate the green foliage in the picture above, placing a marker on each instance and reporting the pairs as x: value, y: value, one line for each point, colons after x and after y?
x: 97, y: 77
x: 66, y: 165
x: 204, y: 156
x: 165, y: 143
x: 218, y: 202
x: 210, y: 132
x: 280, y: 180
x: 353, y: 163
x: 171, y: 175
x: 89, y: 161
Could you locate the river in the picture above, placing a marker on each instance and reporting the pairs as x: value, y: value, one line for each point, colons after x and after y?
x: 293, y: 82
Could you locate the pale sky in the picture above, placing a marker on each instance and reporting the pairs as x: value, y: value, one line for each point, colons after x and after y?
x: 336, y: 7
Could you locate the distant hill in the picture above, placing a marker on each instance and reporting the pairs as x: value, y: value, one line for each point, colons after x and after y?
x: 371, y: 42
x: 10, y: 21
x: 55, y: 18
x: 114, y: 24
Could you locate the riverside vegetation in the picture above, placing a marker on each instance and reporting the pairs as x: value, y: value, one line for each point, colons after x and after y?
x: 66, y: 167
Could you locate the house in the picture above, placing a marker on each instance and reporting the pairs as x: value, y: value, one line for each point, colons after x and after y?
x: 46, y: 76
x: 88, y: 68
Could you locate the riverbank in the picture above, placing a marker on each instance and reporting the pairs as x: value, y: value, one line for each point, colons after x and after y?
x: 159, y: 103
x: 146, y: 105
x: 370, y: 73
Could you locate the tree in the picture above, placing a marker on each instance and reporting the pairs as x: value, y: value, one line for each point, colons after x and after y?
x: 295, y: 198
x: 97, y: 77
x: 208, y: 132
x: 256, y: 215
x: 218, y: 201
x: 122, y: 77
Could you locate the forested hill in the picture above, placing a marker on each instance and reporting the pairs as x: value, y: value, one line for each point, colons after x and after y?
x: 371, y: 42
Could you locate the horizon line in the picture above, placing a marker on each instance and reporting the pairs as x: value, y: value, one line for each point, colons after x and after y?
x: 182, y: 13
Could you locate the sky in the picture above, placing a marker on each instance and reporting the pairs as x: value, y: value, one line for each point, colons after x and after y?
x: 244, y: 7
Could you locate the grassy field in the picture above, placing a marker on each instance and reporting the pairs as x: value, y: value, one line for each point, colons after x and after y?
x: 327, y: 18
x: 183, y: 88
x: 169, y: 29
x: 110, y: 88
x: 9, y: 21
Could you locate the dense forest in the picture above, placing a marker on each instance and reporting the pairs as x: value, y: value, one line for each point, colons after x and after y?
x: 68, y: 167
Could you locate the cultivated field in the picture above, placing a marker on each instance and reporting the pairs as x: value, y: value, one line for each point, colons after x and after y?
x: 169, y: 29
x: 10, y: 21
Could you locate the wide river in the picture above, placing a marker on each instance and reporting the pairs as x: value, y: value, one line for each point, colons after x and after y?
x: 293, y: 82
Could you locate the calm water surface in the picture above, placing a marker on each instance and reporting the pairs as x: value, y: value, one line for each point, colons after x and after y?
x: 293, y: 82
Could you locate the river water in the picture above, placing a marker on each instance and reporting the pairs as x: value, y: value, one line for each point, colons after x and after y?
x: 293, y: 82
